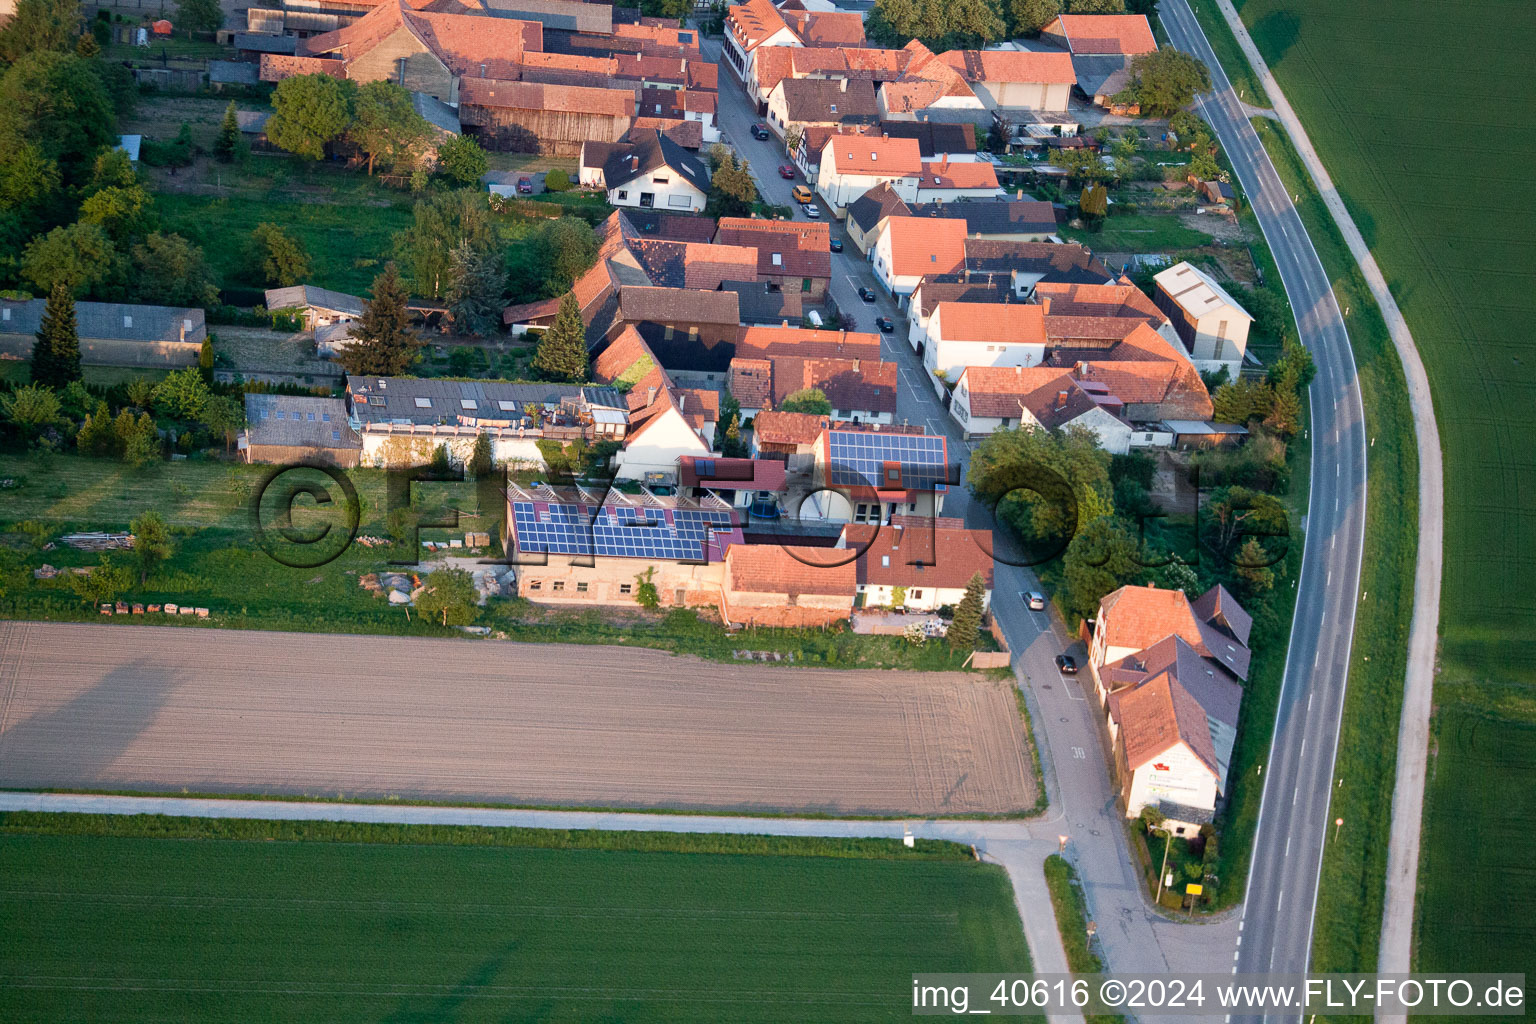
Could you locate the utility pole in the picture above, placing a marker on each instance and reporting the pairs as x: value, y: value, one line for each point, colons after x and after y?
x: 1163, y: 871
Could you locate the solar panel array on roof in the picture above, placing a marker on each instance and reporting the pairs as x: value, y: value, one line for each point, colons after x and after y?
x: 622, y: 531
x: 861, y: 459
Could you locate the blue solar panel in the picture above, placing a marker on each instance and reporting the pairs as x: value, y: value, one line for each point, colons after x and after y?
x: 617, y: 530
x: 859, y: 459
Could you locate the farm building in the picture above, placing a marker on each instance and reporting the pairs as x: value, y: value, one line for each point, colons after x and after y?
x: 1213, y: 327
x: 286, y: 429
x: 321, y: 306
x: 111, y: 333
x: 528, y: 117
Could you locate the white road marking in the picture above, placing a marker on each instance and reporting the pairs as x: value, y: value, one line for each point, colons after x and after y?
x: 1287, y: 853
x: 1079, y: 753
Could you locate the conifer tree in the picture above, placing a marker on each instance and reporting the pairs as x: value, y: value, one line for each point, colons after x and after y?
x: 228, y: 141
x: 966, y: 625
x: 56, y: 355
x: 562, y: 352
x: 384, y: 343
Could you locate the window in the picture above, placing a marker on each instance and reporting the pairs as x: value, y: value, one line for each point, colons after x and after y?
x: 335, y: 435
x: 325, y: 417
x: 5, y: 314
x: 682, y: 202
x: 660, y: 180
x: 893, y: 474
x: 667, y: 334
x: 778, y: 259
x: 468, y: 403
x: 623, y: 195
x: 581, y: 588
x: 423, y: 403
x: 805, y: 284
x: 507, y: 406
x: 127, y: 321
x: 535, y: 584
x: 281, y: 414
x: 916, y: 595
x: 310, y: 417
x: 263, y: 414
x: 625, y: 588
x: 833, y: 107
x: 885, y: 561
x: 557, y: 585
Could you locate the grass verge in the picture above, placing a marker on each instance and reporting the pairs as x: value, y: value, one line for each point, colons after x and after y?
x: 1348, y: 925
x: 1072, y: 923
x: 243, y: 922
x: 1224, y: 44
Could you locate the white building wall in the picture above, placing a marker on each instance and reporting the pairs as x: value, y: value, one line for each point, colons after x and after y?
x: 675, y: 193
x: 920, y: 598
x: 658, y: 448
x: 950, y: 195
x: 954, y: 356
x: 1182, y: 778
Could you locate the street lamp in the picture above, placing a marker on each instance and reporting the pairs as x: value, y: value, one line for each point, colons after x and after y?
x: 1167, y: 845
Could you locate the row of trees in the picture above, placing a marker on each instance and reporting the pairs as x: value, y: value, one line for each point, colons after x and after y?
x: 969, y: 24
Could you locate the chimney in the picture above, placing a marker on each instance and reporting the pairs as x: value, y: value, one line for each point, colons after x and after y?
x: 183, y: 331
x: 682, y: 400
x: 1061, y: 400
x: 1082, y: 368
x: 842, y: 85
x: 650, y: 395
x: 1019, y: 194
x: 855, y: 366
x: 1045, y: 306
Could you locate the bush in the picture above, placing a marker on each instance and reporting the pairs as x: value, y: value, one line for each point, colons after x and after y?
x: 557, y: 181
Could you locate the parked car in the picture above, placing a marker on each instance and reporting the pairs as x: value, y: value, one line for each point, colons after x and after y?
x: 760, y: 131
x: 867, y: 294
x: 885, y: 323
x: 812, y: 211
x: 1035, y: 600
x: 837, y: 245
x: 804, y: 195
x: 787, y: 170
x: 525, y: 185
x: 1067, y: 664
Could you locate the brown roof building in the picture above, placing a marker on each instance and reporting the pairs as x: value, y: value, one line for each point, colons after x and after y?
x: 792, y: 254
x: 777, y: 585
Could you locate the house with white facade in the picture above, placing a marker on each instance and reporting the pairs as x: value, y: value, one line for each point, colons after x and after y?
x: 907, y: 249
x: 1209, y: 322
x: 1016, y: 80
x: 947, y: 181
x: 962, y: 334
x: 748, y: 26
x: 919, y: 563
x: 851, y: 165
x: 1168, y: 673
x: 655, y: 173
x: 991, y: 398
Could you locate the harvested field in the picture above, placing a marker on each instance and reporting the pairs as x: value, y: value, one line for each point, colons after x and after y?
x: 158, y: 709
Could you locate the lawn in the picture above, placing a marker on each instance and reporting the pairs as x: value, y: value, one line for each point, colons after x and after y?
x: 1140, y: 232
x: 1072, y: 922
x: 1456, y: 243
x: 318, y: 921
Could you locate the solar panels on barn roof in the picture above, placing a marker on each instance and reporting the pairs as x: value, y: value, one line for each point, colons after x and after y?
x: 866, y: 458
x: 623, y: 531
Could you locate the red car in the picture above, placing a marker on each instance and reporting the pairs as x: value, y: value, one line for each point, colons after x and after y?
x: 525, y: 185
x: 787, y: 171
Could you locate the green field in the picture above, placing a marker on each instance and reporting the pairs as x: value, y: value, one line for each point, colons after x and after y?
x: 1454, y: 236
x: 354, y: 924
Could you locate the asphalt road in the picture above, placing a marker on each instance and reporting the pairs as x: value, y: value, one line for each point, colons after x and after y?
x: 1294, y: 822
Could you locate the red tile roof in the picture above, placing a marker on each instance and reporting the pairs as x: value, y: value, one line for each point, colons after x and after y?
x: 1009, y: 323
x: 275, y: 67
x: 946, y: 554
x: 688, y: 134
x: 851, y: 385
x: 1128, y: 34
x: 662, y: 35
x: 787, y: 428
x: 892, y: 158
x: 752, y: 382
x: 779, y: 569
x: 1139, y: 617
x: 958, y: 174
x: 765, y: 342
x: 920, y: 246
x: 828, y: 28
x: 753, y: 22
x: 1100, y: 300
x: 1048, y: 392
x: 1011, y: 66
x: 570, y: 62
x: 803, y: 249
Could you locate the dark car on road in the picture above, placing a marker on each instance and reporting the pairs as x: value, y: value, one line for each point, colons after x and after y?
x: 760, y: 131
x: 787, y: 171
x: 885, y: 323
x: 867, y: 294
x: 1067, y: 664
x: 525, y: 185
x: 837, y: 245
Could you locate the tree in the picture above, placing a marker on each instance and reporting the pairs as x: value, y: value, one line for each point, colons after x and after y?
x: 1045, y: 484
x: 1081, y: 164
x: 460, y: 159
x: 482, y: 460
x: 386, y: 126
x: 56, y: 102
x: 1101, y: 558
x: 227, y: 144
x: 31, y: 407
x: 37, y: 25
x: 568, y: 248
x: 562, y: 351
x: 966, y: 625
x: 557, y: 180
x: 811, y: 400
x: 1186, y: 125
x: 793, y: 136
x: 56, y: 353
x: 81, y: 257
x: 199, y: 15
x: 475, y: 296
x: 939, y: 24
x: 1167, y: 79
x: 169, y: 269
x: 384, y: 343
x: 1253, y: 569
x: 122, y: 211
x: 308, y: 113
x: 1094, y: 201
x: 1028, y: 17
x: 449, y: 596
x: 223, y: 416
x: 96, y: 436
x: 646, y: 594
x: 1096, y: 6
x: 151, y: 543
x: 731, y: 190
x: 1203, y: 166
x: 1284, y: 411
x: 182, y: 394
x: 137, y: 439
x: 101, y: 584
x: 439, y: 223
x: 1241, y: 401
x: 276, y: 257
